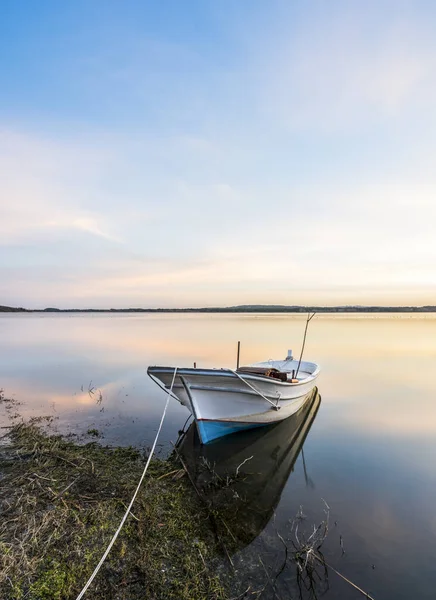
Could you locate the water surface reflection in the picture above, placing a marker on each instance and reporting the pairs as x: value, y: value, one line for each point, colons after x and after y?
x: 371, y: 451
x: 243, y: 475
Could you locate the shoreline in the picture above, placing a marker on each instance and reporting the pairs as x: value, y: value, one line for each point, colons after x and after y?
x: 235, y: 310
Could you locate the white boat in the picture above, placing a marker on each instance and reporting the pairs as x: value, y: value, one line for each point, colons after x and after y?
x: 224, y: 401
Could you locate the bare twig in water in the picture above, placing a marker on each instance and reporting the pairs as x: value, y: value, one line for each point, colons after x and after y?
x: 322, y: 561
x: 270, y: 581
x: 341, y: 542
x: 92, y: 390
x: 282, y: 568
x: 307, y: 552
x: 242, y: 463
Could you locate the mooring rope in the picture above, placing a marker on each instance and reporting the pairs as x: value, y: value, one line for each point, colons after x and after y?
x: 276, y: 406
x: 111, y: 543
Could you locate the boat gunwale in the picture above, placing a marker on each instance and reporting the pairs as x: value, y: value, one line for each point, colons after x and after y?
x: 248, y: 391
x: 229, y: 373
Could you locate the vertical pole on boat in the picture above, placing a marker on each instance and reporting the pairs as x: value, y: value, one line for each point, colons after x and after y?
x: 309, y: 318
x: 237, y: 358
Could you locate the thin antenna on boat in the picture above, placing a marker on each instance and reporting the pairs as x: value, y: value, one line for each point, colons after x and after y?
x: 309, y: 318
x: 237, y: 358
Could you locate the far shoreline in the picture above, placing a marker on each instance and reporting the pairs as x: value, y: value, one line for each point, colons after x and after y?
x: 242, y: 309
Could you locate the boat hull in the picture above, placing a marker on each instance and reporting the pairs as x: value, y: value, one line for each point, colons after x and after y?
x: 263, y: 459
x: 223, y: 402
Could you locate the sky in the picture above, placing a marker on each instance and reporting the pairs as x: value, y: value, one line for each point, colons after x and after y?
x: 198, y: 153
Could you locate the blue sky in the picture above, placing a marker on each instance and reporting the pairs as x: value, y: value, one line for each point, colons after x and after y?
x: 216, y: 153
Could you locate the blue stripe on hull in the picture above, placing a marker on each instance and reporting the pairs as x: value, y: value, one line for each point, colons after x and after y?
x: 211, y: 430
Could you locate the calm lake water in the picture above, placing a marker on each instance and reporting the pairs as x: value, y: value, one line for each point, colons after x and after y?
x: 368, y: 449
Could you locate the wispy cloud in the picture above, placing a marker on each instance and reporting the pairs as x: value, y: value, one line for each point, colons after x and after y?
x: 350, y: 68
x: 47, y: 184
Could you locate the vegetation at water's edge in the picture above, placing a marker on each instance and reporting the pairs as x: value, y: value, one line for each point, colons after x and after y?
x: 60, y: 504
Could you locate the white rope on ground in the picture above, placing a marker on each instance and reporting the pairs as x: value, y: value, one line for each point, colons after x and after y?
x: 111, y: 543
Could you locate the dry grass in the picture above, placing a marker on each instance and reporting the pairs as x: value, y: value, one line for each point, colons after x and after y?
x: 61, y: 502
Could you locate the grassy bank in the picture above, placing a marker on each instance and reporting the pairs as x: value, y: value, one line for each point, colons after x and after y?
x: 61, y: 502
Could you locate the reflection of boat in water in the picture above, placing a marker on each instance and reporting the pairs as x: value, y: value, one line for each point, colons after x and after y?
x: 224, y: 401
x: 243, y: 476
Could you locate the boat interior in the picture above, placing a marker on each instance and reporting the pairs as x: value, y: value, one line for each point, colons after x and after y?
x: 264, y: 372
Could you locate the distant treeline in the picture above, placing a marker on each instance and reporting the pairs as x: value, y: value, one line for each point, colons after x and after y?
x: 246, y: 308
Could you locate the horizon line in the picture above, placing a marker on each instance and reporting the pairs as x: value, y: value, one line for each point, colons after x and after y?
x: 241, y: 308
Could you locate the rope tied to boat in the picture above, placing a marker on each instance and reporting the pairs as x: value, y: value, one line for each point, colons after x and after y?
x: 275, y: 406
x: 111, y: 543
